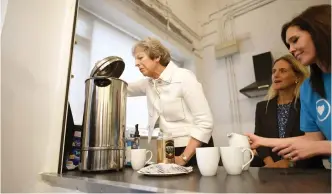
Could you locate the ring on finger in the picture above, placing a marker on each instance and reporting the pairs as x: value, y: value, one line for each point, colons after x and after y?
x: 290, y: 157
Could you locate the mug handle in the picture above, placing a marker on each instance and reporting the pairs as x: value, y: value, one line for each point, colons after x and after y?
x: 252, y: 156
x: 148, y: 151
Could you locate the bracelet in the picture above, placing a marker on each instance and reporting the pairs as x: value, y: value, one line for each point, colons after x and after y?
x: 184, y: 158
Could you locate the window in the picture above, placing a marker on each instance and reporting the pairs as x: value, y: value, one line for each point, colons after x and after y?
x: 103, y: 40
x: 106, y: 41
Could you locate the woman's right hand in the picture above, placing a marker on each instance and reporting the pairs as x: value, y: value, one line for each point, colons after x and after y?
x: 255, y: 140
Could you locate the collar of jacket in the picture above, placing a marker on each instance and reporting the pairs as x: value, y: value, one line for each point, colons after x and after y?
x: 274, y: 101
x: 167, y: 74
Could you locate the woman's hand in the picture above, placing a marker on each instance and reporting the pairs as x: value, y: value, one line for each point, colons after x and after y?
x: 254, y: 140
x: 189, y: 151
x: 179, y: 161
x: 299, y: 149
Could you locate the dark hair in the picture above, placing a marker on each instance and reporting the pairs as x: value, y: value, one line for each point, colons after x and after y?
x: 316, y: 20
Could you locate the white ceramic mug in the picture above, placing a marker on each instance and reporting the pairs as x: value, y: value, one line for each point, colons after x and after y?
x: 238, y: 140
x: 138, y: 158
x: 232, y: 159
x: 207, y: 160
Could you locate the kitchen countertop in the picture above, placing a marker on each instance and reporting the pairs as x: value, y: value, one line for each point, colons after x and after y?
x: 255, y: 180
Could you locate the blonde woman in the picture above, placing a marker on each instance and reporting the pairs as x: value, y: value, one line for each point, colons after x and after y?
x: 279, y: 115
x: 175, y: 100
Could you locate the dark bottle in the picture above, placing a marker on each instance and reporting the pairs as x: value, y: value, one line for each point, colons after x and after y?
x: 135, y: 143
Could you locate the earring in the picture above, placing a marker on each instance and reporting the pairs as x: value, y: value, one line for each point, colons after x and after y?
x: 296, y: 82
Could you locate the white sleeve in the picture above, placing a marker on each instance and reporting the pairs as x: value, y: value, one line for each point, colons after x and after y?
x: 137, y: 88
x: 195, y: 100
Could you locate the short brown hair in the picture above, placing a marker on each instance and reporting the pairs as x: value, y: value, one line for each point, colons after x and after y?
x: 154, y: 49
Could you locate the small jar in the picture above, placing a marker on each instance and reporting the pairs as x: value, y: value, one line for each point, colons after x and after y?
x: 165, y: 148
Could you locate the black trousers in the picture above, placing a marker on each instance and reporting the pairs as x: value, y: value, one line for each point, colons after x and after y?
x: 193, y: 161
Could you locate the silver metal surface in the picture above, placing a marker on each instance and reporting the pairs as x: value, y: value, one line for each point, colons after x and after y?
x: 104, y: 123
x: 256, y: 180
x: 111, y: 66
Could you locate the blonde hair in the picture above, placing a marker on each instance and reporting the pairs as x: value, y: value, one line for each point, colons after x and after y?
x: 154, y: 49
x: 300, y: 71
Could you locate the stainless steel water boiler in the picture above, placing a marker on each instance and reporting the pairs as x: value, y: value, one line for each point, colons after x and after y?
x: 104, y: 121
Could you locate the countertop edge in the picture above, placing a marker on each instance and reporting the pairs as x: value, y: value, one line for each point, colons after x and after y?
x: 96, y: 186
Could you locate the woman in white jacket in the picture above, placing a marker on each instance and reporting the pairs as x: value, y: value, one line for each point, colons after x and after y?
x: 175, y: 100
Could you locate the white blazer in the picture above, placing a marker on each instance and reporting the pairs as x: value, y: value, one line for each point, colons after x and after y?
x: 178, y: 100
